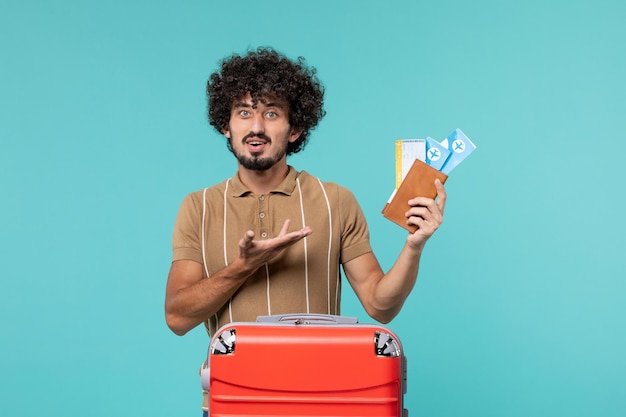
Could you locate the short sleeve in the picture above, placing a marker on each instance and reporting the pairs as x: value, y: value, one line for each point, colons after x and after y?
x: 186, y: 238
x: 355, y: 238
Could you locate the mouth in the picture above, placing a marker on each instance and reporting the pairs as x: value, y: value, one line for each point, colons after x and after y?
x: 256, y: 144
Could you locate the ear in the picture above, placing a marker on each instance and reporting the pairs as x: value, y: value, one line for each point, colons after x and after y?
x: 295, y: 134
x: 226, y: 131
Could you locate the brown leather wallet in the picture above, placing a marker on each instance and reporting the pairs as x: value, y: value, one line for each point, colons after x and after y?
x: 418, y: 182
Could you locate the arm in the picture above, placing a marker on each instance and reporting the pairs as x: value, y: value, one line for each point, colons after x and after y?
x: 383, y: 295
x: 191, y: 299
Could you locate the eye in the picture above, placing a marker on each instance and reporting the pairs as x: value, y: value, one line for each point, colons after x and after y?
x: 271, y: 115
x: 244, y: 113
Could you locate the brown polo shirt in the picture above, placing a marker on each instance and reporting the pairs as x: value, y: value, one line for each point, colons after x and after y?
x: 305, y: 278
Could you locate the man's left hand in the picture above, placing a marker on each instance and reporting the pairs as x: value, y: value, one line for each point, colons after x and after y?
x: 427, y: 215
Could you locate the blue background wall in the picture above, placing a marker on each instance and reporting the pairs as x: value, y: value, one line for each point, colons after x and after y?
x: 520, y: 306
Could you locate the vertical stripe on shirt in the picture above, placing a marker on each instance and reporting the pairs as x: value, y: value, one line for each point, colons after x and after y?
x: 206, y: 269
x: 330, y: 240
x: 267, y: 285
x: 230, y: 301
x: 306, y: 254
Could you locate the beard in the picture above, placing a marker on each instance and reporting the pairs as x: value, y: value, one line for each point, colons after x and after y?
x: 257, y: 162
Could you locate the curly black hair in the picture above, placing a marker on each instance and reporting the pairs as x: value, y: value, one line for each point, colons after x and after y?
x: 265, y: 73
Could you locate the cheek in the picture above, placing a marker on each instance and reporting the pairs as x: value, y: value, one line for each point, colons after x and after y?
x: 236, y: 129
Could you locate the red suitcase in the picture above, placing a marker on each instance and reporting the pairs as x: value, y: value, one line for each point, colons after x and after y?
x: 306, y: 365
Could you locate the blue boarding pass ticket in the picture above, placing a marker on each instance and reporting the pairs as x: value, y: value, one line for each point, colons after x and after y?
x: 436, y: 153
x: 460, y: 146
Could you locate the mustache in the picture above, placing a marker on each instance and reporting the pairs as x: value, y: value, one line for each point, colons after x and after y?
x: 256, y: 135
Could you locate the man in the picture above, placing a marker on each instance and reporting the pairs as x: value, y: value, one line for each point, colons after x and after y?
x: 270, y: 240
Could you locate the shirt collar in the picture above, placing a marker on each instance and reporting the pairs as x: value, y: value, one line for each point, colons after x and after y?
x: 238, y: 189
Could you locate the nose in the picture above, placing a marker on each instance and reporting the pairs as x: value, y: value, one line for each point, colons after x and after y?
x: 258, y: 123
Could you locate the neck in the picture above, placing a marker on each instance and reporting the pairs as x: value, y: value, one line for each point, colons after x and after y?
x: 262, y: 182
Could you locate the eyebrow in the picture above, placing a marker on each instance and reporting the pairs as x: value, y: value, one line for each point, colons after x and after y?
x: 241, y: 104
x: 244, y: 104
x: 279, y: 104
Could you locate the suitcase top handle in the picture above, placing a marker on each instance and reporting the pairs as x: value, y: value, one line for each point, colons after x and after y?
x: 304, y: 318
x: 385, y: 344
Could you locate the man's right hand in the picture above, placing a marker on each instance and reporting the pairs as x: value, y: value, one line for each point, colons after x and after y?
x: 255, y: 253
x: 191, y: 299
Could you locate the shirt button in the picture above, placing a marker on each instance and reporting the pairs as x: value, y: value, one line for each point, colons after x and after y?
x: 262, y: 215
x: 264, y: 235
x: 262, y: 198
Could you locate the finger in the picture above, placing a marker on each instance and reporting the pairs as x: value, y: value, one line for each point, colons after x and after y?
x: 425, y: 214
x: 292, y: 237
x: 425, y: 227
x: 415, y: 221
x: 418, y: 211
x: 429, y: 210
x: 246, y: 240
x: 285, y: 228
x: 420, y: 201
x: 441, y: 195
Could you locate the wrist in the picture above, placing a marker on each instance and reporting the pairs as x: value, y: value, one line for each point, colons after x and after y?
x: 414, y: 249
x: 241, y: 268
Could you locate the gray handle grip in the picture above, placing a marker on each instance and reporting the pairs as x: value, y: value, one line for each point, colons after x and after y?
x: 305, y: 318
